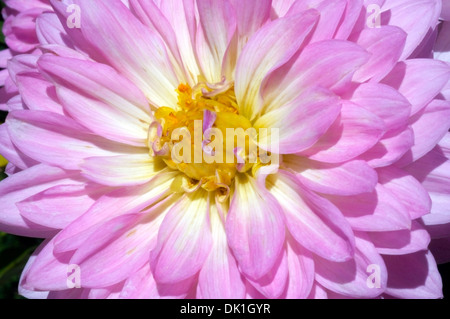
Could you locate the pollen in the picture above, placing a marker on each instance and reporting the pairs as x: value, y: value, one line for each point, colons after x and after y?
x: 205, y: 137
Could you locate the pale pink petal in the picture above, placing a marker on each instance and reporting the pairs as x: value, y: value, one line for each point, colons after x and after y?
x: 379, y: 210
x: 220, y: 277
x: 356, y: 131
x: 430, y: 126
x: 386, y: 45
x: 432, y: 171
x: 217, y: 26
x: 281, y: 7
x: 38, y: 93
x: 58, y: 206
x: 301, y: 271
x: 271, y: 47
x: 184, y: 240
x: 385, y: 102
x: 48, y: 271
x: 331, y: 14
x: 350, y: 178
x: 49, y: 30
x: 105, y: 119
x: 122, y: 201
x: 350, y: 18
x: 351, y: 278
x: 390, y: 148
x: 273, y: 284
x: 406, y: 189
x: 299, y: 123
x: 151, y: 15
x: 97, y: 81
x: 416, y: 17
x: 142, y: 285
x: 11, y: 153
x: 329, y: 64
x: 312, y: 220
x: 401, y: 242
x: 57, y: 140
x: 419, y: 80
x: 255, y: 228
x: 119, y: 247
x: 182, y: 16
x: 23, y: 185
x: 134, y: 50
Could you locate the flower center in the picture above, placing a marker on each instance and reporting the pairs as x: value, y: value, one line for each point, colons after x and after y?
x: 204, y: 136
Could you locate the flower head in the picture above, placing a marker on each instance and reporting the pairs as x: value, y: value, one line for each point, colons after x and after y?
x: 227, y: 149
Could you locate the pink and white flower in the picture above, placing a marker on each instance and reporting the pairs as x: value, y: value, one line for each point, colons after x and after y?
x: 362, y: 130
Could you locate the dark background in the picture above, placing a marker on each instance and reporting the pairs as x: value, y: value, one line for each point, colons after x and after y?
x: 15, y: 250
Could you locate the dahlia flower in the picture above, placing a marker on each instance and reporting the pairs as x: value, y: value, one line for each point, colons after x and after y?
x: 119, y: 150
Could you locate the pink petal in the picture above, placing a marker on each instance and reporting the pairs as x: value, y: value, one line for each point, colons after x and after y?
x: 350, y: 278
x: 58, y: 206
x: 301, y: 272
x: 11, y: 153
x: 220, y: 277
x: 419, y: 80
x: 134, y: 50
x: 416, y: 17
x: 406, y: 189
x: 215, y: 31
x: 151, y: 15
x: 281, y: 7
x: 184, y: 240
x: 350, y: 18
x: 385, y: 102
x: 401, y: 242
x: 255, y: 228
x: 251, y: 16
x: 350, y: 178
x: 270, y: 48
x: 386, y: 46
x: 432, y: 171
x: 273, y: 284
x: 142, y: 285
x: 312, y: 220
x: 390, y: 148
x: 99, y: 82
x: 121, y: 201
x: 57, y: 140
x: 49, y: 30
x: 331, y: 14
x: 38, y: 93
x: 23, y: 185
x: 413, y: 276
x: 329, y: 64
x: 119, y: 247
x: 301, y: 122
x: 430, y: 126
x: 48, y: 271
x: 182, y: 15
x: 356, y: 131
x: 379, y: 210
